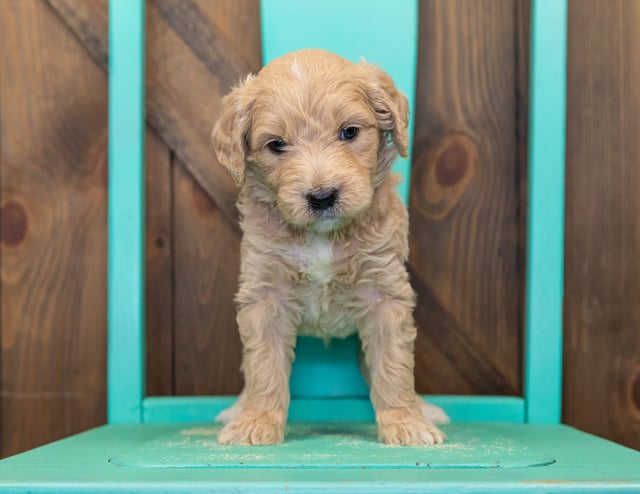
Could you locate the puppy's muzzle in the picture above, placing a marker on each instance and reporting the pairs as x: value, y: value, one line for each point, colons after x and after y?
x: 322, y: 199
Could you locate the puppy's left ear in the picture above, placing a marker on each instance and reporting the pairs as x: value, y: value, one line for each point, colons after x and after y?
x: 229, y: 136
x: 389, y: 105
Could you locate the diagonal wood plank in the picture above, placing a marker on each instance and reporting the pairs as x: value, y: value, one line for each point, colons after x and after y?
x: 186, y: 19
x: 447, y: 360
x: 189, y: 67
x: 236, y: 21
x: 207, y: 344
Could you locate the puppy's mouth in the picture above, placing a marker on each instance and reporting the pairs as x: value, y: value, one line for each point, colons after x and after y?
x: 326, y: 221
x: 320, y: 210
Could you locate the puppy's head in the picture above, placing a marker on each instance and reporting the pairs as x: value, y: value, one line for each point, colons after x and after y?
x: 319, y: 132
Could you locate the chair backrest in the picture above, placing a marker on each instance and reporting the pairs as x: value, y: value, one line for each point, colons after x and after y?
x: 333, y: 372
x: 126, y: 263
x: 545, y: 221
x: 350, y: 35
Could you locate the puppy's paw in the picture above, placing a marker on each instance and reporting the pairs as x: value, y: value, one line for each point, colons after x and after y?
x: 407, y: 427
x: 434, y: 414
x: 254, y: 428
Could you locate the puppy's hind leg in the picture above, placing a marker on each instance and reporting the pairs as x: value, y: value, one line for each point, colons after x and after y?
x: 228, y: 414
x: 433, y: 413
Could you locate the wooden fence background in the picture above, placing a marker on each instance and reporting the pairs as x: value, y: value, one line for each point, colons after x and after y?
x: 467, y: 206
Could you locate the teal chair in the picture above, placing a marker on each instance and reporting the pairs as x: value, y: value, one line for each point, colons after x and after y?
x: 167, y: 444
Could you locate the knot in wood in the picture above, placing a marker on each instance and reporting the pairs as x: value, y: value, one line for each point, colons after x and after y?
x: 443, y: 173
x: 14, y: 223
x: 452, y: 163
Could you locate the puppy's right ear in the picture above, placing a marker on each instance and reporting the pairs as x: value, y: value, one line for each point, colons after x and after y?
x: 230, y: 132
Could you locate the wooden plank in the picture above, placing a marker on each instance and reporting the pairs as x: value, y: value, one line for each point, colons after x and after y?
x: 237, y: 22
x: 446, y: 358
x: 190, y: 66
x: 207, y: 262
x: 602, y: 314
x: 53, y: 164
x: 207, y: 347
x: 465, y: 206
x: 159, y: 269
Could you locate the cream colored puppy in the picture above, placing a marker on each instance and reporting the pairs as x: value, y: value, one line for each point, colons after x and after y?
x: 310, y: 141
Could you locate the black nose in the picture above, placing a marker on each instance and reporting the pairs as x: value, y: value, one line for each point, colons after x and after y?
x: 323, y: 199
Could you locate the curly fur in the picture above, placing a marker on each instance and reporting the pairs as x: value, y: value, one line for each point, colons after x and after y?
x: 321, y: 273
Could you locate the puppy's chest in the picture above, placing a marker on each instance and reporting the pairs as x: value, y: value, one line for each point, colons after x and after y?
x: 322, y: 288
x: 315, y: 262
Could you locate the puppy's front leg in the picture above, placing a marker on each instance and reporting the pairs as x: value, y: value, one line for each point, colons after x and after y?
x: 387, y: 332
x: 268, y: 337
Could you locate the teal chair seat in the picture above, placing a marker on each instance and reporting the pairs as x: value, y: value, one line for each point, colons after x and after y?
x: 495, y: 444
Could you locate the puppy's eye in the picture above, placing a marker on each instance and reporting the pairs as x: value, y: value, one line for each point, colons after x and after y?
x: 349, y: 133
x: 277, y: 146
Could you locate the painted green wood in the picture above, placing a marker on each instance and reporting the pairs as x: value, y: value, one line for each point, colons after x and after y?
x: 584, y: 463
x: 459, y: 408
x: 481, y: 408
x: 126, y: 211
x: 333, y: 445
x: 545, y: 225
x: 383, y: 33
x: 327, y: 370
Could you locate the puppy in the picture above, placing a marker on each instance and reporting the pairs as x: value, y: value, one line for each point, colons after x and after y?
x: 310, y: 141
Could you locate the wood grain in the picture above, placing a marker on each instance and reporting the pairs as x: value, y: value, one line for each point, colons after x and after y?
x: 196, y: 51
x: 159, y: 274
x: 183, y: 99
x: 207, y: 262
x: 190, y: 65
x: 465, y: 201
x: 238, y: 23
x: 445, y: 357
x: 53, y: 164
x: 220, y: 38
x: 522, y: 61
x: 602, y: 310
